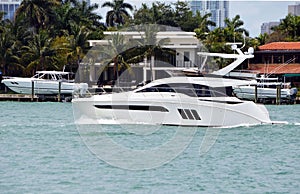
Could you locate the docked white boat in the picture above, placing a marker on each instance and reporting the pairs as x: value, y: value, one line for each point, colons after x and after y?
x: 46, y: 83
x: 266, y: 89
x: 184, y: 101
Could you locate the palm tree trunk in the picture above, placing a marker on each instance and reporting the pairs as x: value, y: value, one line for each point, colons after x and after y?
x: 145, y: 69
x: 116, y: 70
x: 42, y: 63
x: 151, y: 68
x: 5, y: 68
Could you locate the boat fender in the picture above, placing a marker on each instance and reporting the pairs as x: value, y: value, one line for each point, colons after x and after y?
x: 293, y: 91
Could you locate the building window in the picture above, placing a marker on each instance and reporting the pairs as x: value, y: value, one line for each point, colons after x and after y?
x: 277, y: 59
x: 267, y: 59
x: 186, y: 56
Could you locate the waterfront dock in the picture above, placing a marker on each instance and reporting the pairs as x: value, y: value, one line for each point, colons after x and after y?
x: 34, y: 98
x: 18, y: 97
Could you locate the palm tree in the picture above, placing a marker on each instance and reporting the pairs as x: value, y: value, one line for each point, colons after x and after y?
x: 61, y: 47
x: 64, y: 20
x: 2, y: 21
x: 84, y: 14
x: 151, y: 44
x: 78, y: 45
x: 215, y: 40
x: 37, y: 13
x: 262, y: 38
x: 75, y: 15
x: 8, y: 58
x: 118, y: 13
x: 291, y: 26
x: 39, y: 52
x: 2, y: 14
x: 114, y: 53
x: 234, y: 29
x: 203, y: 23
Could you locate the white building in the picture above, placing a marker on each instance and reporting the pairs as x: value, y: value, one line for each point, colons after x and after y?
x: 183, y: 44
x: 9, y: 7
x: 218, y: 9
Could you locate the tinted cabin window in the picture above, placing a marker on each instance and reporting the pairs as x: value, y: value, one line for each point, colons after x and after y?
x: 222, y: 91
x: 184, y: 88
x: 164, y: 88
x: 202, y: 91
x: 193, y: 90
x: 158, y: 88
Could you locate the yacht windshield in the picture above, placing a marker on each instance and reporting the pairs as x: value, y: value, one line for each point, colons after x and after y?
x: 193, y: 90
x: 53, y: 76
x: 48, y: 76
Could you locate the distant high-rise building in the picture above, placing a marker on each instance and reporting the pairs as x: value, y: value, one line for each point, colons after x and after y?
x: 294, y: 9
x: 88, y: 1
x: 267, y: 27
x: 218, y: 9
x: 9, y: 7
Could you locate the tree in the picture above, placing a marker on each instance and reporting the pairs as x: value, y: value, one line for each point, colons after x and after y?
x: 78, y: 45
x: 47, y: 34
x: 290, y: 26
x: 37, y: 13
x: 203, y: 22
x: 215, y: 40
x: 158, y: 13
x: 8, y: 59
x: 85, y: 15
x: 142, y: 15
x: 278, y: 36
x: 64, y: 20
x: 118, y: 12
x: 114, y: 53
x: 233, y: 30
x: 184, y: 17
x: 262, y: 38
x: 163, y: 14
x: 2, y: 21
x: 151, y: 45
x: 39, y: 54
x: 62, y: 48
x: 71, y: 15
x: 178, y: 14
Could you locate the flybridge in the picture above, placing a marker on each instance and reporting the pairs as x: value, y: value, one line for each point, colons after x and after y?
x: 240, y: 58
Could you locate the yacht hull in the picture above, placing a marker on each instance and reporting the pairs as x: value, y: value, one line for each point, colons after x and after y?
x: 167, y: 109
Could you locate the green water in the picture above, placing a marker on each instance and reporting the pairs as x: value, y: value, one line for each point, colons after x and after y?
x: 41, y: 151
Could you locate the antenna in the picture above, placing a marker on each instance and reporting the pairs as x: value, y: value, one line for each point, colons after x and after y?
x: 244, y: 36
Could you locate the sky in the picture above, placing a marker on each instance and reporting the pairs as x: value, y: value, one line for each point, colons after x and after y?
x: 253, y: 13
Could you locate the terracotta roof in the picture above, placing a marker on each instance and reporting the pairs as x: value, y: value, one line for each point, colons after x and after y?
x: 275, y: 68
x: 281, y: 46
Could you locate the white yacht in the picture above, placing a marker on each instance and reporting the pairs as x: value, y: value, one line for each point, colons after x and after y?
x: 183, y: 101
x: 45, y: 83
